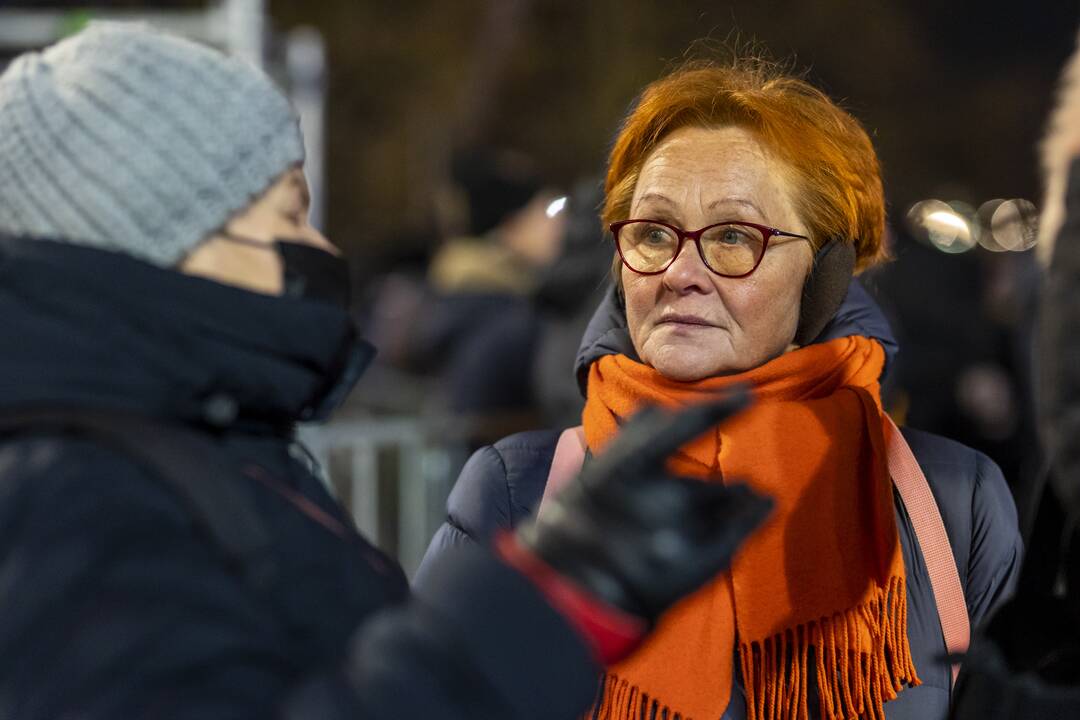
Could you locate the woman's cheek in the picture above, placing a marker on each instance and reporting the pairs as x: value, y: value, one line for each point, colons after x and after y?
x: 640, y: 301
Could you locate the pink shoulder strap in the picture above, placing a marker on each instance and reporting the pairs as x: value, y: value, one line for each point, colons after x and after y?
x: 933, y: 541
x: 914, y: 492
x: 569, y: 457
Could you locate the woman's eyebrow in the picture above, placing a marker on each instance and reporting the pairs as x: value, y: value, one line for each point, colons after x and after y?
x: 655, y: 197
x: 665, y: 200
x: 736, y: 201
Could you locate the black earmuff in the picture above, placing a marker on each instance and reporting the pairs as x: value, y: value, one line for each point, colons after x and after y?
x: 825, y: 288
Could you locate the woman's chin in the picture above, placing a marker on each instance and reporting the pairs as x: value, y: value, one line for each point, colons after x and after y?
x: 689, y: 363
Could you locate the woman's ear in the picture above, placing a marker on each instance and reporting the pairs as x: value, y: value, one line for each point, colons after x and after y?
x: 825, y: 288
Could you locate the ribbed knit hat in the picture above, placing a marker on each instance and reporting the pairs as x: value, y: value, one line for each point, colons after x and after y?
x: 125, y: 138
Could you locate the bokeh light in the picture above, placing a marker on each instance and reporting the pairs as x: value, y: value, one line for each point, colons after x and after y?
x: 998, y: 225
x: 983, y: 230
x: 1014, y: 225
x: 556, y: 206
x: 945, y: 226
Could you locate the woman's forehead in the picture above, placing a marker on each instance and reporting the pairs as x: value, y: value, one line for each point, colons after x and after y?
x: 713, y: 168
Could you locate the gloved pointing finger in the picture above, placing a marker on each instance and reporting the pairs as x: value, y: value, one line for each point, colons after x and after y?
x: 652, y: 435
x: 632, y: 536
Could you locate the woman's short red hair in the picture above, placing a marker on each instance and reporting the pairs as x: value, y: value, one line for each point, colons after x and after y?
x: 835, y: 169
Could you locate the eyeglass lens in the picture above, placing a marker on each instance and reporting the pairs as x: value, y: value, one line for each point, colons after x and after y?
x: 729, y: 249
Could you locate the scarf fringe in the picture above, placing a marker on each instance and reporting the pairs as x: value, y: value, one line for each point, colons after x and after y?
x: 622, y: 701
x: 850, y: 684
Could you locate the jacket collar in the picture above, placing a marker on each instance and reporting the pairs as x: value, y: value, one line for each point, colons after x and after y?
x: 88, y: 327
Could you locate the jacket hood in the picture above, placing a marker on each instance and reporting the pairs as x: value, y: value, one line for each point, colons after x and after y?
x: 92, y: 328
x: 607, y: 333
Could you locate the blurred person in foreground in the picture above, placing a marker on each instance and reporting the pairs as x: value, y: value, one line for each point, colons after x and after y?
x: 741, y: 201
x: 166, y: 547
x: 1026, y: 663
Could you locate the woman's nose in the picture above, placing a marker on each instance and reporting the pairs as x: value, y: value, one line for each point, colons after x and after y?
x: 319, y: 240
x: 687, y: 272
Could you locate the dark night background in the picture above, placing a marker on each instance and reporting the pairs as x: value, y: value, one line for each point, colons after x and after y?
x: 954, y: 93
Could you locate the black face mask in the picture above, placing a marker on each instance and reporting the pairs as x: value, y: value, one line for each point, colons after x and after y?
x: 308, y: 272
x: 312, y: 273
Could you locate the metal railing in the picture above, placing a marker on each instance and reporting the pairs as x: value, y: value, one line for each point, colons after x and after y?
x: 393, y: 474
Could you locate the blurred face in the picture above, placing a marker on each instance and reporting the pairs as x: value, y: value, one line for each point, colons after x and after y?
x: 279, y: 213
x: 688, y: 322
x: 533, y: 233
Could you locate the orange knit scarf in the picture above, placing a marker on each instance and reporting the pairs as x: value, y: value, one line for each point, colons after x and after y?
x: 818, y: 594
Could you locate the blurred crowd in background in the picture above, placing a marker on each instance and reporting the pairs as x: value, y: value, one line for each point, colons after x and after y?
x: 461, y: 150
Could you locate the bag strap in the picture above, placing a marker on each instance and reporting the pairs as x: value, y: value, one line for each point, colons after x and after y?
x: 925, y: 517
x: 915, y: 493
x: 566, y: 464
x: 191, y: 465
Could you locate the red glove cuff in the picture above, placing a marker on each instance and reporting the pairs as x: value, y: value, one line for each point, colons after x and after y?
x: 610, y: 633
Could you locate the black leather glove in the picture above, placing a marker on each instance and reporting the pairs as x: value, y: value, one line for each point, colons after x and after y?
x: 636, y: 537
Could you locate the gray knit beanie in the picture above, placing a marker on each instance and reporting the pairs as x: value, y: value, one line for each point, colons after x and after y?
x: 125, y: 138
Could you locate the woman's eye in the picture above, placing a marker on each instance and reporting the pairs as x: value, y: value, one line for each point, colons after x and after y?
x: 652, y: 234
x: 731, y: 236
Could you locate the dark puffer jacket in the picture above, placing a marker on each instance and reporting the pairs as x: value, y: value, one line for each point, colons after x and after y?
x: 114, y: 604
x: 502, y: 485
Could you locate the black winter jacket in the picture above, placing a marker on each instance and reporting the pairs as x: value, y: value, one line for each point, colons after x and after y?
x: 501, y: 486
x: 114, y: 604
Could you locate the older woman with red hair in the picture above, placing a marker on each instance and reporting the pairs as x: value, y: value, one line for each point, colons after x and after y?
x: 741, y: 202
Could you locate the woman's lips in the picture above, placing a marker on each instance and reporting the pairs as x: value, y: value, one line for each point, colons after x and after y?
x: 684, y: 320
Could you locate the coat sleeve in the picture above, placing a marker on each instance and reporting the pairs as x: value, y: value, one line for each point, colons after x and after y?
x: 477, y: 507
x: 113, y: 605
x: 499, y: 486
x: 980, y: 517
x: 996, y: 545
x: 476, y: 642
